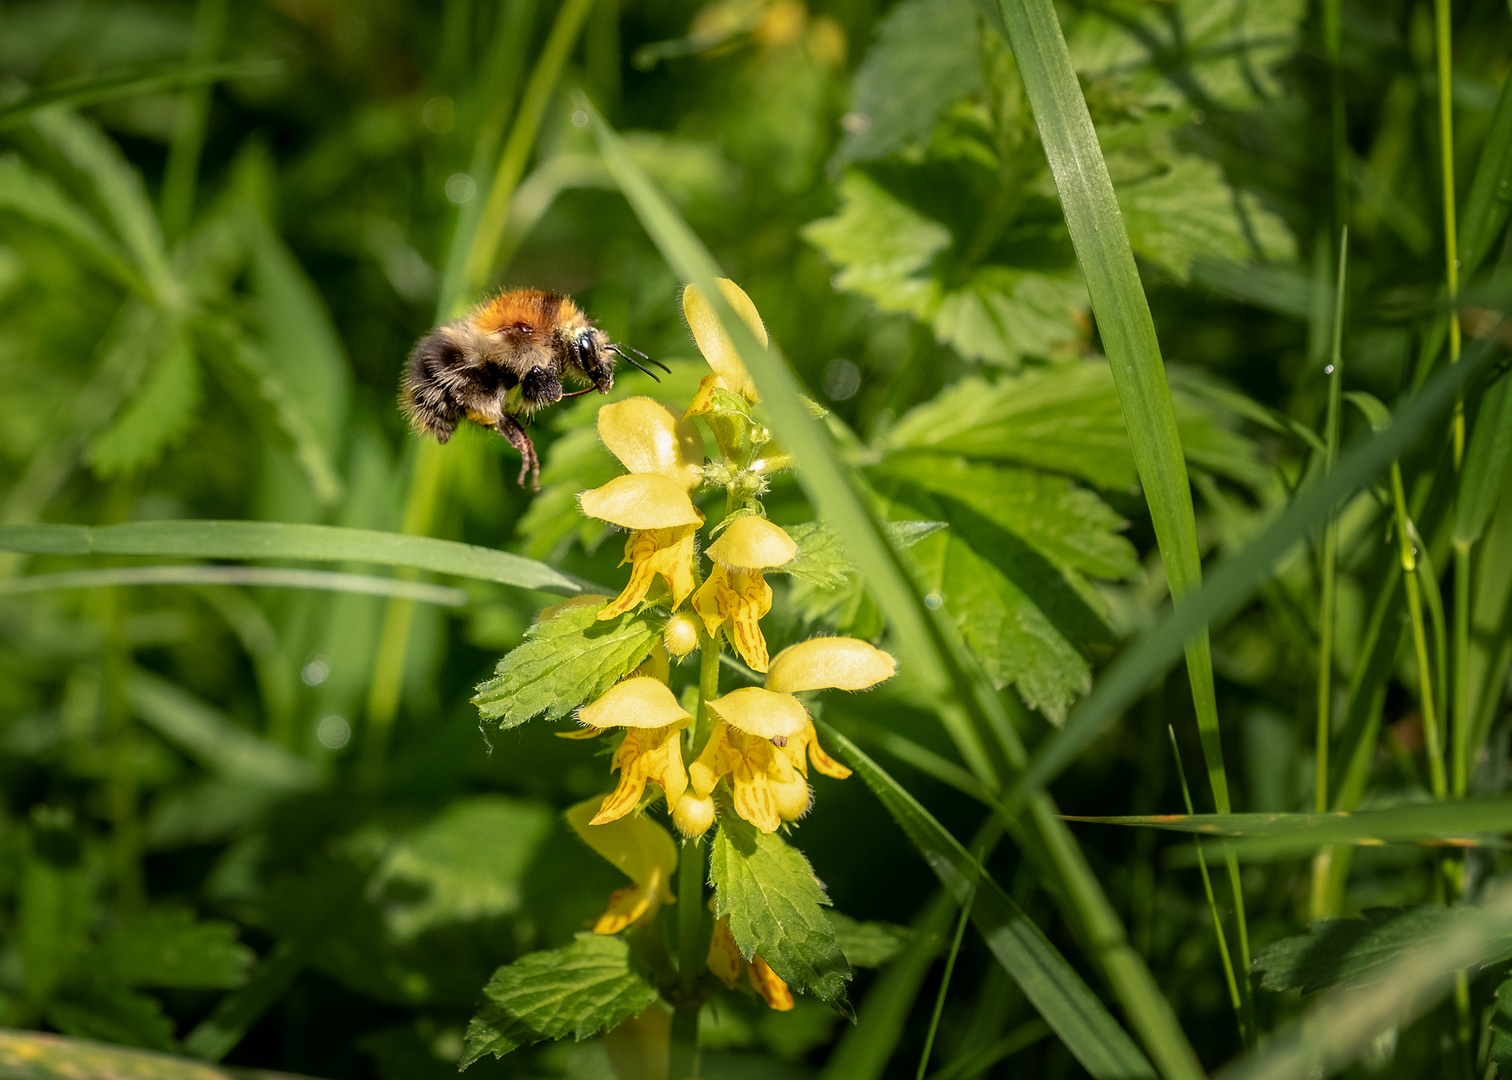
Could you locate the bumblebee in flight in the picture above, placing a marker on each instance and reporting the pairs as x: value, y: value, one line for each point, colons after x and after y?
x: 505, y: 360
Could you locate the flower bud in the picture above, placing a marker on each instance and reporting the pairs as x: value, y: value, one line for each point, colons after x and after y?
x: 693, y: 814
x: 793, y: 797
x: 681, y: 635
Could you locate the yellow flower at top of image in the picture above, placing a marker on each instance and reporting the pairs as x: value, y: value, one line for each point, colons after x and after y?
x: 764, y: 739
x: 648, y: 437
x: 642, y: 850
x: 662, y: 521
x: 651, y: 750
x: 726, y: 961
x: 716, y: 345
x: 736, y: 595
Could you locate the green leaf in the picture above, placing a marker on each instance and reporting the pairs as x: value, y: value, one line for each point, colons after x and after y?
x: 111, y: 1014
x: 1486, y: 461
x: 925, y: 57
x: 36, y: 197
x: 821, y: 561
x: 867, y: 944
x: 1488, y: 205
x: 1357, y: 952
x: 466, y: 864
x: 35, y: 1055
x: 578, y: 990
x: 53, y: 911
x: 776, y: 908
x: 170, y: 949
x: 159, y: 415
x: 563, y: 662
x: 280, y: 540
x: 1051, y: 984
x: 1501, y: 1026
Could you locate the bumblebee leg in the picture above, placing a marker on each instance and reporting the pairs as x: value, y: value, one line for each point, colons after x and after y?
x: 518, y: 438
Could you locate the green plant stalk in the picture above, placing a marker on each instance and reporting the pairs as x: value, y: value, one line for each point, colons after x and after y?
x: 1207, y: 886
x: 939, y: 1007
x: 1324, y: 735
x: 1419, y: 636
x: 967, y: 704
x: 522, y: 137
x: 1460, y: 709
x: 189, y: 125
x: 1338, y: 136
x: 1123, y: 316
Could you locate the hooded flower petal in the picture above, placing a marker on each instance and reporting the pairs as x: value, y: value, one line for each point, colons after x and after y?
x: 762, y: 713
x: 639, y: 702
x: 642, y: 850
x: 753, y: 543
x: 647, y: 437
x: 736, y: 599
x: 824, y: 663
x: 714, y: 342
x: 641, y: 501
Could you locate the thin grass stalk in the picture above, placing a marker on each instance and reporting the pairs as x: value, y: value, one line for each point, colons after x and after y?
x: 184, y: 151
x: 1207, y: 887
x: 939, y: 1006
x: 1337, y: 131
x: 1128, y: 334
x: 1329, y: 556
x: 1408, y: 553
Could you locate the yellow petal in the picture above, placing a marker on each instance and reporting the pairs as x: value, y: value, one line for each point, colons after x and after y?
x: 766, y: 983
x: 761, y: 712
x: 703, y: 401
x: 639, y: 702
x: 793, y: 796
x: 839, y: 663
x: 724, y: 959
x: 668, y: 552
x: 717, y: 759
x: 714, y: 342
x: 737, y: 599
x: 641, y: 501
x: 804, y: 747
x: 648, y: 437
x: 753, y: 543
x: 625, y: 906
x: 640, y: 848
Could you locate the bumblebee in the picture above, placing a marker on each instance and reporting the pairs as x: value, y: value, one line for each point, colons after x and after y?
x: 505, y: 360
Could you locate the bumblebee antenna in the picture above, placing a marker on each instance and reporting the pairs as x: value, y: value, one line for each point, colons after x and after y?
x: 625, y: 351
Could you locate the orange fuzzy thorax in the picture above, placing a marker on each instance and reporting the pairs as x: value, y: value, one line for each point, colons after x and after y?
x: 540, y: 312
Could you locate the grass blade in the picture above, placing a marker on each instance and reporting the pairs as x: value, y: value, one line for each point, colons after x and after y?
x: 134, y: 82
x: 262, y: 576
x: 278, y: 540
x: 1054, y: 988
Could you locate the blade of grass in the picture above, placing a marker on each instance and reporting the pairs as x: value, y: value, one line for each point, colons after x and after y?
x: 266, y: 577
x: 1133, y: 350
x: 189, y: 125
x: 134, y: 82
x: 279, y: 540
x: 1050, y: 984
x: 968, y: 706
x: 939, y: 1007
x: 978, y: 1062
x: 1486, y: 207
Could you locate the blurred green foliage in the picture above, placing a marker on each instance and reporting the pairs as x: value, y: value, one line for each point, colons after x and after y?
x: 210, y: 277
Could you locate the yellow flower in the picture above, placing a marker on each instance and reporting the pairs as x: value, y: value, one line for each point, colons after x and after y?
x: 726, y: 962
x: 651, y: 750
x: 648, y: 437
x: 715, y: 343
x: 662, y: 521
x: 736, y: 594
x: 640, y: 848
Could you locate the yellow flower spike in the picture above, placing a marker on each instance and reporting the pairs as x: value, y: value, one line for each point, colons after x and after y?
x: 642, y: 850
x: 736, y: 594
x: 714, y: 342
x: 647, y: 437
x: 762, y: 713
x: 703, y: 401
x: 829, y: 663
x: 652, y: 748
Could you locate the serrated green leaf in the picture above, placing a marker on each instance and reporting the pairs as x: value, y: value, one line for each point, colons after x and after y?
x: 776, y: 908
x: 578, y: 990
x: 564, y: 662
x: 867, y: 944
x: 171, y: 949
x: 162, y: 410
x: 925, y: 57
x: 111, y: 1014
x: 1356, y: 952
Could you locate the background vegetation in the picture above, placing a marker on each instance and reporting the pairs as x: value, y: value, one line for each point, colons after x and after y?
x: 248, y: 814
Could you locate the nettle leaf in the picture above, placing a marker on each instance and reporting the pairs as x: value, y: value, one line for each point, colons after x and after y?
x: 89, y: 1010
x: 565, y: 661
x: 868, y: 944
x: 776, y: 908
x: 822, y: 562
x: 1356, y: 952
x: 1063, y: 418
x: 161, y: 412
x: 171, y: 949
x: 926, y: 56
x: 581, y: 989
x: 887, y: 251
